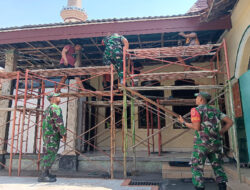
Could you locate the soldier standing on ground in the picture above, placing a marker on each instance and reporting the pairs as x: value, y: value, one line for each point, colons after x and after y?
x: 115, y: 44
x: 53, y: 131
x: 207, y: 140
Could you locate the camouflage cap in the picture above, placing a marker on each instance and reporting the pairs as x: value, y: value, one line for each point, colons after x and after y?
x: 204, y: 95
x: 52, y: 94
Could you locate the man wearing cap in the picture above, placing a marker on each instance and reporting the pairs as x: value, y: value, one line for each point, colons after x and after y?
x: 53, y: 131
x: 207, y: 140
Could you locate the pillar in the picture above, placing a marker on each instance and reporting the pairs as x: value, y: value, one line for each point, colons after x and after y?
x: 70, y: 159
x: 10, y: 65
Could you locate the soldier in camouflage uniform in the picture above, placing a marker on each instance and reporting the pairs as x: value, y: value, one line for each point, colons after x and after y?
x: 113, y: 54
x: 53, y: 131
x: 207, y: 140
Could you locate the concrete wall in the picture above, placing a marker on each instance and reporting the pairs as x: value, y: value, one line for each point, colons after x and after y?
x: 238, y: 43
x: 29, y: 135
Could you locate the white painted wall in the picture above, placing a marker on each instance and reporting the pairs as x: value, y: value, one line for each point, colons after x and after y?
x: 31, y: 132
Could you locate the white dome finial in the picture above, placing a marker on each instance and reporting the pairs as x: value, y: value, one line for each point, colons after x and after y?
x: 74, y: 12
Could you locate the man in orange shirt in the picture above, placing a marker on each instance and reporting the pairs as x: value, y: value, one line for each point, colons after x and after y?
x: 68, y: 61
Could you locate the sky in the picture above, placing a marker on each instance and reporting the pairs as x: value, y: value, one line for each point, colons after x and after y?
x: 33, y: 12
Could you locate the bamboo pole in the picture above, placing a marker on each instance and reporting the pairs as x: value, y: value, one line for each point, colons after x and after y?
x: 147, y: 120
x: 132, y: 116
x: 159, y: 128
x: 14, y: 125
x: 41, y: 126
x: 112, y: 124
x: 28, y: 125
x: 23, y: 121
x: 124, y: 119
x: 232, y: 110
x: 37, y: 119
x: 18, y: 130
x: 152, y: 130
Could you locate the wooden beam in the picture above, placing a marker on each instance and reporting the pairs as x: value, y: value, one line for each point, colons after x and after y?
x: 41, y: 53
x: 201, y: 87
x: 125, y: 27
x: 171, y: 102
x: 52, y: 45
x: 175, y: 75
x: 72, y: 71
x: 139, y: 40
x: 92, y: 40
x: 162, y: 40
x: 178, y: 102
x: 91, y: 45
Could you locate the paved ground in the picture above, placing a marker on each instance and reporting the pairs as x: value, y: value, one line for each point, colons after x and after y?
x: 30, y: 183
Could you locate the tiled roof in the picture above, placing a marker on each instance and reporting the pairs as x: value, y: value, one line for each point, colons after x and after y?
x: 198, y: 6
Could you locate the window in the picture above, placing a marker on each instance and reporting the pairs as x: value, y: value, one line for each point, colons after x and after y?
x: 142, y: 115
x: 183, y: 94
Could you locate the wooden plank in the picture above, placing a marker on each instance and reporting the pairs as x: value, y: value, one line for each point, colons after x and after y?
x: 201, y: 87
x: 178, y: 102
x: 171, y: 102
x: 174, y: 75
x: 71, y: 71
x: 150, y: 101
x: 8, y: 75
x: 177, y: 51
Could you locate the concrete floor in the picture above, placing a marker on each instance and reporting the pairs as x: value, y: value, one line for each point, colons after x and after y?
x: 30, y: 183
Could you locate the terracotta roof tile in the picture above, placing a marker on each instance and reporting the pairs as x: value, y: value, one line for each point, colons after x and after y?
x: 198, y: 6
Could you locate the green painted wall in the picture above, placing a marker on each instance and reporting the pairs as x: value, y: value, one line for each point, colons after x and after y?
x: 244, y: 81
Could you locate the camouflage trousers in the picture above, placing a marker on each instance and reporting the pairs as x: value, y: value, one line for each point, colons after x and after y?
x: 50, y: 148
x: 199, y: 156
x: 115, y: 57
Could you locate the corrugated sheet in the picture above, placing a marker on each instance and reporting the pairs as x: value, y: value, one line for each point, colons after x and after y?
x: 132, y: 19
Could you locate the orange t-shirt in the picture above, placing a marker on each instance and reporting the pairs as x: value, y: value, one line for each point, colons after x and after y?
x: 195, y: 116
x: 107, y: 77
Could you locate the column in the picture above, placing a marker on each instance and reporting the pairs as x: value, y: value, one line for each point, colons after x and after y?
x: 70, y: 159
x: 10, y: 65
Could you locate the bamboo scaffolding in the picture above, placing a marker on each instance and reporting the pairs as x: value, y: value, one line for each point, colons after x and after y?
x: 155, y: 107
x: 232, y: 110
x: 124, y: 118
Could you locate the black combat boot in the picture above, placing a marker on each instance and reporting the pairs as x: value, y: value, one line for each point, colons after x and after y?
x: 200, y: 188
x: 44, y: 177
x: 222, y: 186
x: 50, y: 175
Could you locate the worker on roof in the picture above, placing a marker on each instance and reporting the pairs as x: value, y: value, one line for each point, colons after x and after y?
x: 191, y: 39
x: 68, y: 61
x: 115, y: 44
x: 207, y: 140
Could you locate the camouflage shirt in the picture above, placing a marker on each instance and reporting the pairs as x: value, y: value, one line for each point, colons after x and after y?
x: 114, y: 42
x: 53, y: 121
x: 209, y: 118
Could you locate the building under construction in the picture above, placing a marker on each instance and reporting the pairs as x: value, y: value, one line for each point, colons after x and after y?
x: 117, y: 128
